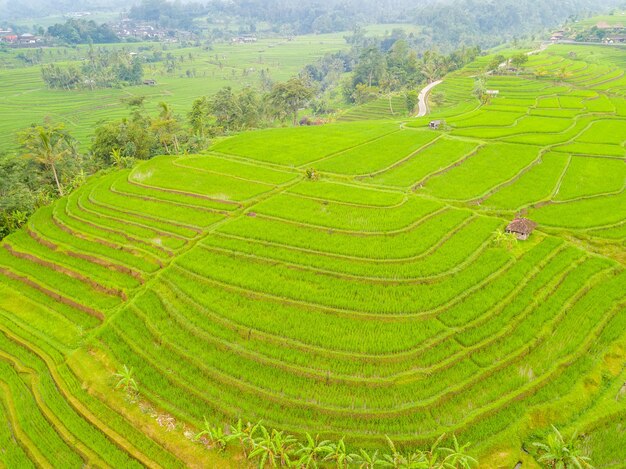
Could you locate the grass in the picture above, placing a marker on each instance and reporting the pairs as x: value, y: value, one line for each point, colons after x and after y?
x: 374, y: 300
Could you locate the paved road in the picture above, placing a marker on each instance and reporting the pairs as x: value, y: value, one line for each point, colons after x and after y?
x: 422, y: 105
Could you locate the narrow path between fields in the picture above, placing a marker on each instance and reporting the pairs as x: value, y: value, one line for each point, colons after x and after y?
x: 423, y: 98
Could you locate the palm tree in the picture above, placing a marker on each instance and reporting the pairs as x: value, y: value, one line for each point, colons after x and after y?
x: 431, y: 70
x: 557, y: 452
x: 48, y: 145
x: 313, y: 451
x: 126, y: 380
x: 166, y: 127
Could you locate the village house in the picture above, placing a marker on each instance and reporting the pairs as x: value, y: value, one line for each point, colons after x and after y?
x: 9, y: 38
x: 615, y: 39
x: 557, y: 36
x: 27, y: 38
x: 521, y: 228
x: 244, y: 39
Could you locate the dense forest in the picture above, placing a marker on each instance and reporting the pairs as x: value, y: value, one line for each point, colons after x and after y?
x: 445, y: 22
x: 492, y: 22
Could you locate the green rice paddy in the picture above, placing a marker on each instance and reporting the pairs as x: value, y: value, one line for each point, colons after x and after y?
x: 373, y: 301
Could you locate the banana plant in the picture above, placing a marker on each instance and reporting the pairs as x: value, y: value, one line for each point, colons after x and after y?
x: 312, y: 452
x: 216, y: 435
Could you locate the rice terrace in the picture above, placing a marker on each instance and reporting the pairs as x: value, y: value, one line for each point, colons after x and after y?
x: 378, y: 281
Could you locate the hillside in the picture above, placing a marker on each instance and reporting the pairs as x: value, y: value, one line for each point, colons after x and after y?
x: 376, y: 300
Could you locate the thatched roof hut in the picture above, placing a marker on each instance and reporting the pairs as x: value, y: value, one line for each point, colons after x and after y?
x: 521, y: 227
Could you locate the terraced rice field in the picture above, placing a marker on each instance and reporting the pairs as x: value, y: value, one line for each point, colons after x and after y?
x: 381, y: 108
x: 373, y: 301
x: 200, y: 72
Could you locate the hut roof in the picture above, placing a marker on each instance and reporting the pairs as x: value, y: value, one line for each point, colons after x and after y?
x: 521, y: 225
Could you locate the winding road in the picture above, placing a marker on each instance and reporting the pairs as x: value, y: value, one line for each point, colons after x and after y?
x: 422, y: 105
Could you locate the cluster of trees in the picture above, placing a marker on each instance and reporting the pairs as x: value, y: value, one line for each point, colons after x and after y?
x: 445, y: 23
x: 492, y: 22
x: 81, y: 31
x: 228, y: 110
x: 285, y: 16
x: 48, y: 166
x: 383, y: 67
x: 102, y: 68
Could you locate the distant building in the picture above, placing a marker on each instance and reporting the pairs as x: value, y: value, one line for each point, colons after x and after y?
x: 616, y: 39
x: 150, y: 82
x: 9, y: 39
x: 521, y: 228
x: 435, y: 124
x: 493, y: 93
x: 245, y: 39
x: 27, y: 39
x: 557, y: 36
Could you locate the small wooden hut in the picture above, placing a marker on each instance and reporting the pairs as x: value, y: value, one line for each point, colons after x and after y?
x: 521, y: 228
x: 435, y: 124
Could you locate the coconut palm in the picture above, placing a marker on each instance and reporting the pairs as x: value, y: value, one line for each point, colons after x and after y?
x: 49, y: 146
x: 558, y: 453
x: 126, y: 380
x: 166, y: 126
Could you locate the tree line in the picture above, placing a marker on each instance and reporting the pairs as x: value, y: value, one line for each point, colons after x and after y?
x: 374, y: 68
x: 81, y: 31
x: 102, y: 68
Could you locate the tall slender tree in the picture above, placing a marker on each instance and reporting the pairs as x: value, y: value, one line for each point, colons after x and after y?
x: 48, y: 145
